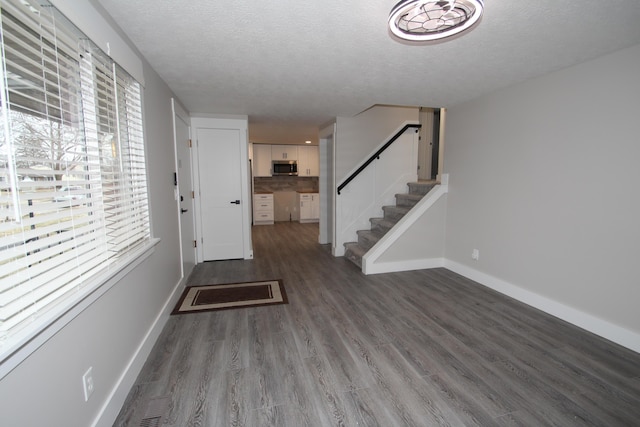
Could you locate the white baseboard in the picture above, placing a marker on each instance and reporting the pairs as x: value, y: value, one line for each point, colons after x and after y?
x: 394, y: 266
x: 118, y: 395
x: 608, y: 330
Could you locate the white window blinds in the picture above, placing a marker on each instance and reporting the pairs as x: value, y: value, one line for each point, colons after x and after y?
x: 73, y: 184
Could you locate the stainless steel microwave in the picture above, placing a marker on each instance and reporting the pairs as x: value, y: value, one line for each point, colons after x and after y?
x: 284, y: 167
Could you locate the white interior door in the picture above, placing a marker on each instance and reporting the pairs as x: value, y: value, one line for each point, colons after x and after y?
x: 185, y: 190
x: 219, y: 163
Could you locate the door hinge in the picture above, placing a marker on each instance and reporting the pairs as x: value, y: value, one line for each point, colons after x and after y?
x: 193, y: 194
x: 195, y: 243
x: 189, y: 143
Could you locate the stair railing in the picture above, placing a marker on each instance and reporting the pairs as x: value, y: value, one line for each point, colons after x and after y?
x: 376, y: 155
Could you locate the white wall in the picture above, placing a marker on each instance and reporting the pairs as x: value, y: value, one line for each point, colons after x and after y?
x: 375, y: 187
x: 355, y: 140
x: 423, y: 240
x: 544, y: 182
x: 356, y: 137
x: 46, y: 389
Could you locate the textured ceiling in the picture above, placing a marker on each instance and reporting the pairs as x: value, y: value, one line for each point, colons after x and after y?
x: 302, y: 63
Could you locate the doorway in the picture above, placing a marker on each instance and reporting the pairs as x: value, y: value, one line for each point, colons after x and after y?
x: 429, y: 147
x: 223, y: 205
x: 220, y: 178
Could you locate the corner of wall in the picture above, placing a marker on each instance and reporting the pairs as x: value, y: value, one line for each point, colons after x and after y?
x: 625, y: 337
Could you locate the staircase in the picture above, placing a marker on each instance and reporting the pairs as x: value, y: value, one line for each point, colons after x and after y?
x: 354, y: 251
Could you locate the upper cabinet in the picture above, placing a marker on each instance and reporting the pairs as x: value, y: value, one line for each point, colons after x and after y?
x: 261, y: 160
x: 307, y: 157
x: 308, y: 160
x: 284, y: 152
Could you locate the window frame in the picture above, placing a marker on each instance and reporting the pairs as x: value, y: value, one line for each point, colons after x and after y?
x: 101, y: 279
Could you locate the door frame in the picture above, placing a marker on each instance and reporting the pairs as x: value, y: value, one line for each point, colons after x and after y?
x: 224, y: 122
x: 181, y: 114
x: 327, y: 186
x: 426, y: 143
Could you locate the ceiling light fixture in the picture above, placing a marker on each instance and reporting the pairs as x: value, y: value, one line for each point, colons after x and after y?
x: 307, y: 142
x: 424, y: 20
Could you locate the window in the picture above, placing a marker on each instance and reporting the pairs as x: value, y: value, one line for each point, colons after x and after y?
x: 73, y: 184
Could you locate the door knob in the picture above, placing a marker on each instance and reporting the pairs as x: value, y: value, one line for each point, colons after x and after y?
x: 183, y: 210
x: 235, y: 202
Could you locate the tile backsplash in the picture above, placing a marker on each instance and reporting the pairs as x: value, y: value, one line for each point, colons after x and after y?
x: 285, y: 183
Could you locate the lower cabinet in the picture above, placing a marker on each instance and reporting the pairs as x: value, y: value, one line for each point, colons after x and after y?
x: 309, y: 207
x: 262, y: 209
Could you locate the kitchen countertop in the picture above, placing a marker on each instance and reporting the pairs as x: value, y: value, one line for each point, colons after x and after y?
x: 263, y: 192
x: 306, y: 191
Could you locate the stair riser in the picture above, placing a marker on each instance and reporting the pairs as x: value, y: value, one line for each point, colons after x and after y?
x: 403, y: 201
x: 420, y: 188
x: 367, y: 242
x: 357, y: 260
x: 393, y: 215
x: 379, y: 227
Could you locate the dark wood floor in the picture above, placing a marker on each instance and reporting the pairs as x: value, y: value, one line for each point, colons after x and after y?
x: 421, y: 348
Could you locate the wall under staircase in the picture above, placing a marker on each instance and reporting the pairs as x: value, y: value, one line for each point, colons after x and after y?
x: 409, y: 236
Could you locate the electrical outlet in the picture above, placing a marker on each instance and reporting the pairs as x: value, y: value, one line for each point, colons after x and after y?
x: 475, y: 254
x: 87, y: 383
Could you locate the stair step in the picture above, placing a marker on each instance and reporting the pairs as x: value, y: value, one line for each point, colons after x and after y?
x: 368, y: 238
x: 421, y: 187
x: 394, y: 213
x: 354, y: 253
x: 381, y: 225
x: 408, y: 199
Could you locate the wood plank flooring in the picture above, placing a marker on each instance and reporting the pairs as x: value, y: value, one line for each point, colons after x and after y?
x: 420, y: 348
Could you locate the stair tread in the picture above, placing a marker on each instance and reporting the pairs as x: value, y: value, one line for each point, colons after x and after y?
x: 354, y: 251
x: 397, y: 209
x: 421, y: 187
x: 368, y: 238
x: 369, y: 233
x: 355, y: 247
x: 394, y: 213
x: 382, y: 221
x: 410, y: 196
x: 429, y: 182
x: 408, y: 199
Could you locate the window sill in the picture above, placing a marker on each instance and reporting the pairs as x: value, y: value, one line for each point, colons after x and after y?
x: 20, y: 347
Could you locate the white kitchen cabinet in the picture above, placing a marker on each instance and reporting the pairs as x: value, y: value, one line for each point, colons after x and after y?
x: 262, y: 209
x: 309, y: 207
x: 284, y: 152
x: 308, y: 160
x: 261, y: 160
